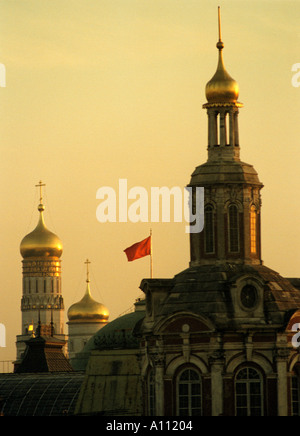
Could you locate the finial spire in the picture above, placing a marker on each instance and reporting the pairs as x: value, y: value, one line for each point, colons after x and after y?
x: 219, y: 19
x: 220, y: 44
x: 40, y: 185
x: 41, y: 207
x: 87, y: 262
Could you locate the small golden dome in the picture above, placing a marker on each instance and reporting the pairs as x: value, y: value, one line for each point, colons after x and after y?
x: 41, y: 242
x: 222, y: 88
x: 88, y: 310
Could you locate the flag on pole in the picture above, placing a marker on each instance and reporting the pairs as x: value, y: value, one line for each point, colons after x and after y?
x: 138, y: 250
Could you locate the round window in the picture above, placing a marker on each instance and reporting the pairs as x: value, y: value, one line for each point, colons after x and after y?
x: 249, y: 296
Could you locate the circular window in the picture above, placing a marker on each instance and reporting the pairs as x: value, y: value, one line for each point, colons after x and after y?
x: 249, y: 296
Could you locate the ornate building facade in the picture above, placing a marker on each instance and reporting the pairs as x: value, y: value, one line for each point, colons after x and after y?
x: 215, y: 339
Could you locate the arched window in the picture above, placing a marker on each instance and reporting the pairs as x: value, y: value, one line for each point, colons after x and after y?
x: 151, y: 393
x: 209, y: 236
x: 248, y: 393
x: 189, y: 395
x: 233, y: 229
x: 295, y: 391
x: 253, y: 229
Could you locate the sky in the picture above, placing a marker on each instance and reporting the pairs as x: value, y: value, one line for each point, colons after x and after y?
x: 102, y: 90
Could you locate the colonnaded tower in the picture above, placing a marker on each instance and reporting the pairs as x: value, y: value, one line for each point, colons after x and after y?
x: 42, y: 302
x: 232, y: 187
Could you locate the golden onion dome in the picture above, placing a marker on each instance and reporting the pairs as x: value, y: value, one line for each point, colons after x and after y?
x: 222, y: 88
x: 88, y: 310
x: 41, y: 242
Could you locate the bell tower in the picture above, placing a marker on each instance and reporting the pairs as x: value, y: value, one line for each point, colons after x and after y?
x: 231, y: 187
x: 42, y: 302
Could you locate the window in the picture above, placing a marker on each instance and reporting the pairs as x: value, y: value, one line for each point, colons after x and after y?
x: 248, y: 393
x: 189, y: 400
x: 233, y: 229
x: 209, y: 230
x: 253, y: 229
x: 151, y: 393
x: 295, y: 394
x: 227, y: 129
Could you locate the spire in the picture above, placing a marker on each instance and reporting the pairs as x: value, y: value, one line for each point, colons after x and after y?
x: 222, y: 92
x: 40, y: 185
x: 88, y: 290
x: 222, y: 88
x: 220, y: 44
x: 232, y: 188
x: 87, y: 262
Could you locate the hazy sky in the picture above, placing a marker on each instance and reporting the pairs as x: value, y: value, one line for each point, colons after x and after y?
x: 98, y: 90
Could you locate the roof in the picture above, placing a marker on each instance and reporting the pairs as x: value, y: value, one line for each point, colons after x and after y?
x: 117, y: 334
x: 44, y: 354
x: 206, y: 290
x: 44, y: 394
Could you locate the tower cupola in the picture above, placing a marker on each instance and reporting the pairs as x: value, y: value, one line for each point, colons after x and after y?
x: 41, y: 242
x: 231, y: 188
x: 222, y: 88
x: 86, y: 317
x: 42, y: 299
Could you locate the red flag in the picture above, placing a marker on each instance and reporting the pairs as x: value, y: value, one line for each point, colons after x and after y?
x: 138, y: 250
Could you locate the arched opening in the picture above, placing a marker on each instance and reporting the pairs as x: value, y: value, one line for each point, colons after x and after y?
x: 248, y: 392
x: 233, y: 230
x: 253, y: 215
x: 209, y: 236
x: 189, y: 393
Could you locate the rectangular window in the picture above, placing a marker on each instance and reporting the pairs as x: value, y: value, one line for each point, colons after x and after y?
x: 295, y: 396
x: 209, y: 230
x: 253, y: 230
x: 233, y: 229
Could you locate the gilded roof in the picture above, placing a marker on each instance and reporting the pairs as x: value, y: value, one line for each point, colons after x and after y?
x: 88, y: 309
x: 41, y: 242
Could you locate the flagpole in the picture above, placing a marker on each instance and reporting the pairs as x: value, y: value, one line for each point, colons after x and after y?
x: 151, y: 256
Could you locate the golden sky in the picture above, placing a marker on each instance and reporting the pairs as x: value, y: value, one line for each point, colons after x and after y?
x: 98, y: 90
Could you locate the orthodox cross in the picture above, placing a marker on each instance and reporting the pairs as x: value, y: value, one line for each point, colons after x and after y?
x: 40, y: 185
x: 87, y: 262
